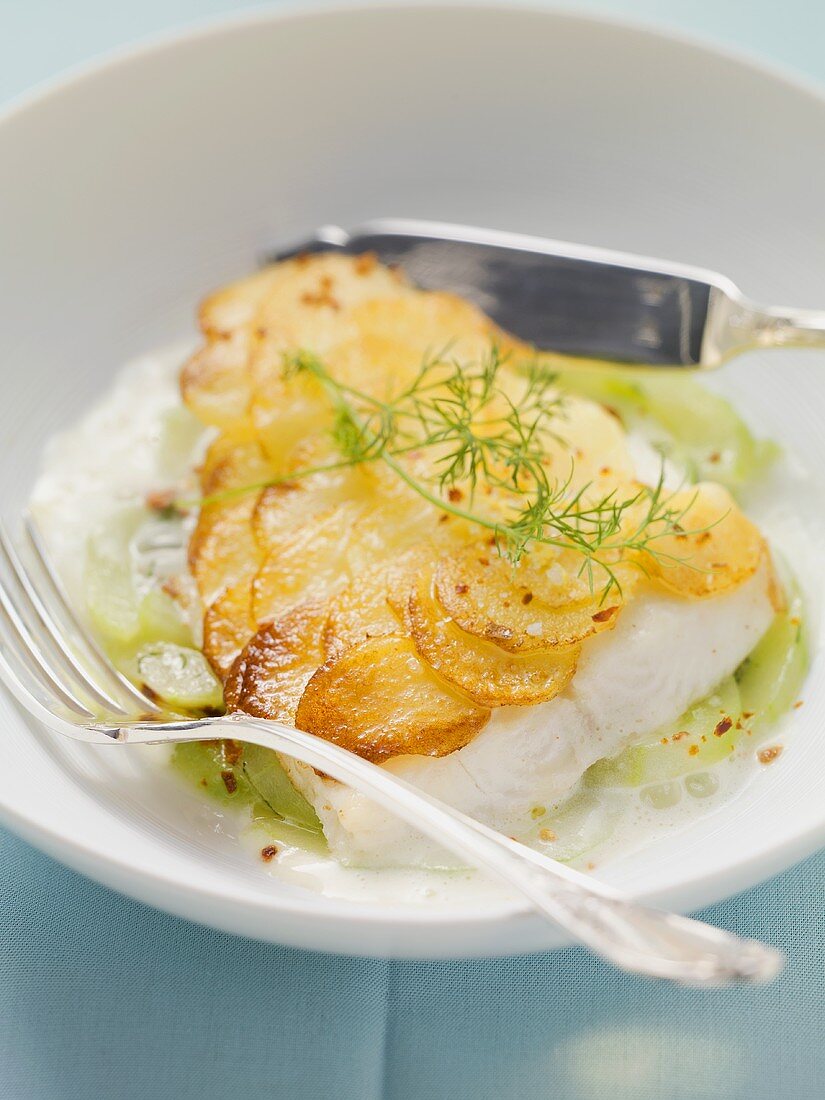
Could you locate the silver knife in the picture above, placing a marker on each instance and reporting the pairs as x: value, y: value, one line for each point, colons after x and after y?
x: 580, y: 300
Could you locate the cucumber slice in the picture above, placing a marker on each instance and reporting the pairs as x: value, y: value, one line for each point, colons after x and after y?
x: 265, y: 773
x: 111, y: 597
x: 180, y: 433
x: 707, y: 431
x: 575, y: 828
x: 161, y: 619
x: 691, y: 744
x: 771, y: 678
x: 179, y: 676
x: 204, y: 764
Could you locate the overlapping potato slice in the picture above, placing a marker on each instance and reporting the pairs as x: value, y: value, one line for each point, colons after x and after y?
x: 268, y: 678
x: 715, y: 549
x: 585, y: 446
x: 215, y: 383
x: 228, y: 626
x: 482, y: 670
x: 235, y: 306
x: 374, y: 603
x: 287, y: 412
x: 234, y: 460
x: 309, y: 306
x: 309, y: 561
x: 380, y: 699
x: 282, y: 507
x: 436, y: 323
x: 360, y: 611
x: 542, y: 603
x: 223, y: 549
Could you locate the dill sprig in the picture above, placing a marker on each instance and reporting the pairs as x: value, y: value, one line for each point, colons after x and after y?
x: 478, y: 433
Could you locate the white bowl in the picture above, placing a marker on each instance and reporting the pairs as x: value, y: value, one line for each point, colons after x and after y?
x: 136, y: 185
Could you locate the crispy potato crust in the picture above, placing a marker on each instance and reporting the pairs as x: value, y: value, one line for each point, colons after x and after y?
x: 719, y: 549
x: 538, y: 605
x: 489, y: 675
x: 268, y: 678
x: 227, y: 626
x: 380, y: 699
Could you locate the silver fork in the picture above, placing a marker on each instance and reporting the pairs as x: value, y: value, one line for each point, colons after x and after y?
x: 52, y: 665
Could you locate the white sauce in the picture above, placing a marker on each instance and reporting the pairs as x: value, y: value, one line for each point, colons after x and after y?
x: 112, y: 458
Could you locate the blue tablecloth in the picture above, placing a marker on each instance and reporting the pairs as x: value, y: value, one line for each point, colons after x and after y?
x: 103, y: 997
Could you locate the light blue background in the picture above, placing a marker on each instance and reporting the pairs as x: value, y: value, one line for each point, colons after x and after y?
x: 102, y: 997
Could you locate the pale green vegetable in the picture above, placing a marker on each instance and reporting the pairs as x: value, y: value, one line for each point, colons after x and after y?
x: 204, y: 764
x: 179, y: 435
x: 111, y: 597
x: 277, y: 812
x: 179, y: 676
x: 699, y: 738
x: 573, y: 829
x: 267, y: 776
x: 161, y: 619
x: 771, y: 678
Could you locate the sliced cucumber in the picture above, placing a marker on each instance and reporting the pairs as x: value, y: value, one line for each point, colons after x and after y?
x: 179, y: 435
x: 707, y: 430
x: 575, y: 828
x: 692, y: 743
x: 161, y: 619
x: 204, y: 764
x: 208, y: 767
x: 771, y: 678
x: 266, y: 774
x: 111, y: 597
x: 179, y: 676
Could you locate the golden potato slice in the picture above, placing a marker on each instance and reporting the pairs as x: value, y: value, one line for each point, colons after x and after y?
x: 489, y: 675
x: 716, y: 549
x: 373, y: 604
x: 431, y: 322
x: 227, y: 626
x: 379, y: 699
x: 223, y: 549
x: 281, y: 508
x: 309, y: 307
x: 214, y: 383
x: 234, y: 459
x: 587, y: 446
x: 537, y: 605
x: 268, y: 678
x: 235, y: 306
x: 307, y: 562
x: 287, y: 412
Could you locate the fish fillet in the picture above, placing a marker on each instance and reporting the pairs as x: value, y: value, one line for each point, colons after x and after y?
x: 664, y: 654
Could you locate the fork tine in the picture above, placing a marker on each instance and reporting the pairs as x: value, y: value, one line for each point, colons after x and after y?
x: 29, y: 610
x: 73, y: 625
x: 37, y: 698
x: 20, y: 643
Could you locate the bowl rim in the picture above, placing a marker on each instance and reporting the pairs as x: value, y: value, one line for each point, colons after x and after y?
x: 703, y: 888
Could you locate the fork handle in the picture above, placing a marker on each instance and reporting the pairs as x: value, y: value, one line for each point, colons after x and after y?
x: 631, y: 936
x: 736, y: 324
